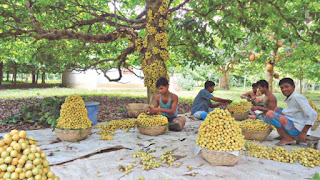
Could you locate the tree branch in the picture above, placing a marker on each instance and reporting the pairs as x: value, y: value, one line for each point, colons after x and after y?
x: 293, y: 25
x: 178, y: 7
x: 122, y: 56
x: 63, y: 34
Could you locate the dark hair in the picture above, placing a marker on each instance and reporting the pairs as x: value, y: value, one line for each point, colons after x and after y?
x: 263, y: 83
x: 209, y: 84
x: 162, y: 82
x: 254, y: 85
x: 286, y: 80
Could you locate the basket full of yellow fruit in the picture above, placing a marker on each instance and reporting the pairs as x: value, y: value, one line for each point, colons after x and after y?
x: 152, y: 125
x: 221, y: 139
x: 239, y: 112
x: 73, y: 124
x: 134, y: 109
x: 317, y: 123
x: 254, y: 129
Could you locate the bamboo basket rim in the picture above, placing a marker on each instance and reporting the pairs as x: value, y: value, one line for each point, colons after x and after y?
x: 220, y: 158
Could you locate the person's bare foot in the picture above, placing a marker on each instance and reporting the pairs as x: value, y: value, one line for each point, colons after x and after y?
x: 284, y: 142
x: 252, y: 116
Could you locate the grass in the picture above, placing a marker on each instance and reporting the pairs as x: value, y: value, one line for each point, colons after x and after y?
x: 233, y: 93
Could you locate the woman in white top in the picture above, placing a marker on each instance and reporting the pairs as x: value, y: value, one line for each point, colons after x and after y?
x: 294, y: 121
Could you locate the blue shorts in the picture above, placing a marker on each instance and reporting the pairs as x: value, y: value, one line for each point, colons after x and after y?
x: 278, y: 120
x: 202, y: 114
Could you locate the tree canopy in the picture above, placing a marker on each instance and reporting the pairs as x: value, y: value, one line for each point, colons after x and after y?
x: 104, y: 34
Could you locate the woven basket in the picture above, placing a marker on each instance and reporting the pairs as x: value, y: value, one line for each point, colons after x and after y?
x: 315, y: 125
x: 72, y: 135
x: 152, y: 130
x: 239, y: 116
x: 256, y: 135
x: 219, y: 158
x: 134, y: 109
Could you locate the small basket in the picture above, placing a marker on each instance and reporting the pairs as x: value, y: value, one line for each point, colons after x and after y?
x: 152, y: 130
x: 72, y: 135
x: 315, y: 125
x: 220, y: 158
x: 256, y: 135
x: 134, y: 109
x: 239, y: 116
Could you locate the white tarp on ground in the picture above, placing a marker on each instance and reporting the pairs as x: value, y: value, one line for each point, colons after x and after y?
x: 71, y: 166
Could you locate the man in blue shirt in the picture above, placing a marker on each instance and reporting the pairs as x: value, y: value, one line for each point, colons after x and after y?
x: 202, y: 102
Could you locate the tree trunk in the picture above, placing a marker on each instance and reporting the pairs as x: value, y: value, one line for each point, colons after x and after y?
x: 300, y: 86
x: 34, y: 77
x: 305, y: 86
x: 224, y: 80
x: 15, y: 72
x: 8, y: 76
x: 27, y: 78
x: 151, y: 97
x: 37, y: 77
x: 43, y: 77
x: 1, y: 72
x: 154, y: 52
x: 313, y: 87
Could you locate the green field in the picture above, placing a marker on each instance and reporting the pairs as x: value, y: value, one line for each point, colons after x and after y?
x: 233, y: 93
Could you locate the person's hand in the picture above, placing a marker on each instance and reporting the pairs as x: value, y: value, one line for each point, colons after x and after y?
x: 228, y: 101
x: 254, y: 108
x: 147, y: 110
x: 301, y: 137
x: 153, y: 110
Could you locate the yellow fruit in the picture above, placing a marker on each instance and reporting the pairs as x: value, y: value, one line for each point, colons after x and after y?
x: 22, y: 159
x: 107, y: 130
x: 22, y: 134
x: 73, y: 114
x: 13, y: 132
x: 239, y: 108
x: 258, y: 56
x: 315, y: 108
x: 220, y: 132
x: 15, y: 137
x: 307, y: 157
x: 254, y: 124
x: 151, y: 120
x: 252, y: 57
x: 7, y: 138
x: 278, y: 58
x: 2, y: 143
x: 269, y: 67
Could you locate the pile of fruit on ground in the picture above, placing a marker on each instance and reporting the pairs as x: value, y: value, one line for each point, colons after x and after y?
x: 22, y: 159
x: 107, y: 130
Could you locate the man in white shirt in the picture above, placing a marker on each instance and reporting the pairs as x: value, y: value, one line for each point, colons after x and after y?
x: 294, y: 121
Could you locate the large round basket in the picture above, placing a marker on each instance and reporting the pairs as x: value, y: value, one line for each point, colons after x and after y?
x: 219, y: 158
x: 134, y: 109
x: 239, y: 116
x: 72, y: 135
x: 315, y: 125
x: 256, y: 135
x: 152, y: 130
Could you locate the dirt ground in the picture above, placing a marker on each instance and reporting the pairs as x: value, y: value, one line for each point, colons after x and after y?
x: 110, y: 108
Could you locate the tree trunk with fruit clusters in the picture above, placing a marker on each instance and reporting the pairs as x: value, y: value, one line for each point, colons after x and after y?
x: 154, y: 48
